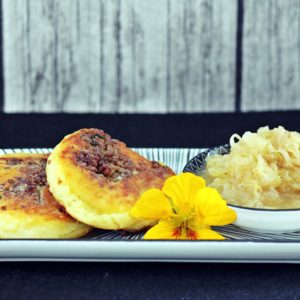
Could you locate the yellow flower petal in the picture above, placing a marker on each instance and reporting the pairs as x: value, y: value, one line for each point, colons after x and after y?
x: 182, y: 189
x: 212, y: 209
x: 163, y: 231
x: 167, y: 231
x: 208, y: 234
x: 153, y: 204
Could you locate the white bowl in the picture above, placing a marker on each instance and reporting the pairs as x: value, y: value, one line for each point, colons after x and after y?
x: 267, y: 220
x: 255, y: 219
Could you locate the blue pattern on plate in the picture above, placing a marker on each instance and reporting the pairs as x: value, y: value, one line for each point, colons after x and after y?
x: 188, y: 160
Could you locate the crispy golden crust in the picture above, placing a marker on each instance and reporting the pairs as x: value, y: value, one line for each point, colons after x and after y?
x: 99, y: 179
x: 27, y: 208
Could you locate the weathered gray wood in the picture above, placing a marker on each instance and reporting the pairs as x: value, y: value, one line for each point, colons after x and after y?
x: 119, y: 55
x: 202, y: 55
x: 271, y: 60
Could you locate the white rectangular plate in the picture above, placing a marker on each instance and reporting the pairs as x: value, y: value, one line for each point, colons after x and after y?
x: 102, y: 245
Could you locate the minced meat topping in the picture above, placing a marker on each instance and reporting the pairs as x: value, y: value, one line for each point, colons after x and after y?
x: 30, y: 184
x: 104, y: 157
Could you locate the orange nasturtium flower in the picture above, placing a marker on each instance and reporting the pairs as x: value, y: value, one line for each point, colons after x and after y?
x: 185, y: 209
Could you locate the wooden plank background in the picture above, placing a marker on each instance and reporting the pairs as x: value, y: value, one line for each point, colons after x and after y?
x: 151, y: 56
x: 271, y: 55
x: 119, y: 55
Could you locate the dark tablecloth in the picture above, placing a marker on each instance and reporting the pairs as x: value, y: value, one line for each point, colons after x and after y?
x: 69, y: 280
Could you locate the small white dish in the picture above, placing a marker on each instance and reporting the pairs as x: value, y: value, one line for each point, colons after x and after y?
x: 274, y: 221
x: 267, y: 220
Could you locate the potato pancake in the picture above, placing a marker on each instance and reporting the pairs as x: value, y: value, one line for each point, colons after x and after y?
x: 98, y: 179
x: 27, y: 208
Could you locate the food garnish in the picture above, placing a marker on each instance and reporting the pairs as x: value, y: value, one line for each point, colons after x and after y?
x: 184, y: 209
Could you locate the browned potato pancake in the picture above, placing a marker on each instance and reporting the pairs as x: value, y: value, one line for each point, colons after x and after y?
x: 27, y: 208
x: 98, y: 179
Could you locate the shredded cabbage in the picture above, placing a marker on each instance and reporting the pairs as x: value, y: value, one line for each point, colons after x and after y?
x: 262, y: 169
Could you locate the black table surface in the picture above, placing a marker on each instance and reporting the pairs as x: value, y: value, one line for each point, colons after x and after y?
x: 70, y: 280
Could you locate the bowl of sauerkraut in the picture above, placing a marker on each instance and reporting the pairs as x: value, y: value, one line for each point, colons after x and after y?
x: 258, y: 174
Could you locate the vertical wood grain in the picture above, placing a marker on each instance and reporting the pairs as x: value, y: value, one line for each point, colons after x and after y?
x: 202, y: 55
x: 271, y: 60
x: 119, y: 55
x: 143, y: 42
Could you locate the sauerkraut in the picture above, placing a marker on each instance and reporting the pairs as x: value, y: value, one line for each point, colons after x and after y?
x: 262, y: 169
